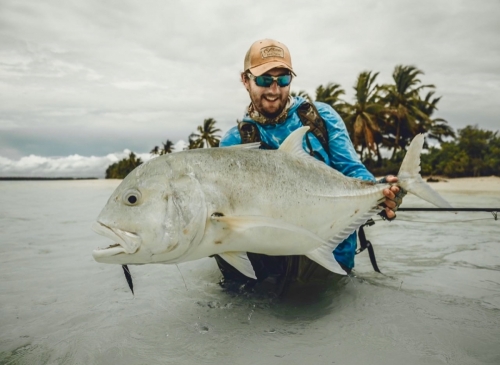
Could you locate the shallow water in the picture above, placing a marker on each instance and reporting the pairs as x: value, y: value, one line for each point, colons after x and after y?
x: 438, y: 302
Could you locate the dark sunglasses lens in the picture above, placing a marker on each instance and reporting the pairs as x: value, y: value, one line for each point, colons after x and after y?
x: 284, y: 80
x: 264, y: 81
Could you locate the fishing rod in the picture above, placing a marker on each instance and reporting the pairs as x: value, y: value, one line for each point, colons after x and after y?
x: 367, y: 245
x: 493, y: 211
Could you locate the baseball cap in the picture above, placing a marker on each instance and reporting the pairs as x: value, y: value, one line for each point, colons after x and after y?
x: 265, y: 55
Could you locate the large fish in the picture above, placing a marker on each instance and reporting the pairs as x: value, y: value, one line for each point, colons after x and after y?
x: 228, y: 201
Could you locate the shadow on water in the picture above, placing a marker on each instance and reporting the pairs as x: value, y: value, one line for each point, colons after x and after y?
x: 307, y: 301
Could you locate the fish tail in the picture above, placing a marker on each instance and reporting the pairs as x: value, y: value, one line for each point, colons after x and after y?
x: 410, y: 179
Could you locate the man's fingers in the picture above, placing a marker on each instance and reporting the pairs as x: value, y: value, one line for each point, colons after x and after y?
x: 391, y: 179
x: 389, y: 194
x: 393, y: 197
x: 395, y: 189
x: 390, y: 213
x: 390, y: 204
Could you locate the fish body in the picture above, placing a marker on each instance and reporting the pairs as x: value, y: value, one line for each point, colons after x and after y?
x: 228, y: 201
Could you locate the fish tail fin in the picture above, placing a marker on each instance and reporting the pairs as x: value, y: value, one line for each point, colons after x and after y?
x: 410, y: 179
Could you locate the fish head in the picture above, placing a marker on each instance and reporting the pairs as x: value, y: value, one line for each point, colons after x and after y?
x: 152, y: 218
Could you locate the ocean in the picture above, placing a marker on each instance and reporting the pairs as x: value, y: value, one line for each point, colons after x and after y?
x: 437, y: 301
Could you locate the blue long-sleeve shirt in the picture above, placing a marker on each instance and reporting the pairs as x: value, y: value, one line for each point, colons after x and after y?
x: 341, y: 154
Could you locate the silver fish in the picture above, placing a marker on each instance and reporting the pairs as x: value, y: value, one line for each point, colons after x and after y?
x: 228, y: 201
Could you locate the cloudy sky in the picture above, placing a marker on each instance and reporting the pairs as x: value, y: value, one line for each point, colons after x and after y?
x: 82, y: 81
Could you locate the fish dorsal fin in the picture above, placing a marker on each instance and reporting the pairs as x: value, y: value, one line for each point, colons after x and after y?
x: 293, y: 143
x: 240, y: 261
x: 244, y: 146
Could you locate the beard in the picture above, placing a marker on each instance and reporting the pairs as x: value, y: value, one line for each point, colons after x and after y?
x: 270, y: 106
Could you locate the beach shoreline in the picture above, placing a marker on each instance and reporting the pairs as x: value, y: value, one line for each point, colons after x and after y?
x: 482, y: 183
x: 443, y: 183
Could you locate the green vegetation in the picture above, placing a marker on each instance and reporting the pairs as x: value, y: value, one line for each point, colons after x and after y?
x: 381, y: 117
x: 205, y: 138
x: 387, y: 117
x: 474, y: 153
x: 122, y: 168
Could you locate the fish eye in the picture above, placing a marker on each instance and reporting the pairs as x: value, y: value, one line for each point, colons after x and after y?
x: 131, y: 197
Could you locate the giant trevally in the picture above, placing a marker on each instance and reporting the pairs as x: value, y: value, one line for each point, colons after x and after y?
x: 228, y: 201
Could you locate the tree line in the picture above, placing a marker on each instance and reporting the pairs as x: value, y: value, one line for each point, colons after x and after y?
x: 204, y: 137
x: 382, y: 117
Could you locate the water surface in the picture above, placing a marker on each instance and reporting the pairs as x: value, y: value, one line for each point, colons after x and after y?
x: 438, y: 301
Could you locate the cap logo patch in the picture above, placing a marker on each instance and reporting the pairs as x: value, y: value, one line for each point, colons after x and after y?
x: 272, y: 51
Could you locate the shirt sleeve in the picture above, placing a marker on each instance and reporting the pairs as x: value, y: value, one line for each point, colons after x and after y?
x: 231, y: 138
x: 343, y: 156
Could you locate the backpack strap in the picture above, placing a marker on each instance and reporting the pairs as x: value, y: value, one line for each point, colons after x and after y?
x: 365, y: 244
x: 309, y: 116
x: 249, y: 133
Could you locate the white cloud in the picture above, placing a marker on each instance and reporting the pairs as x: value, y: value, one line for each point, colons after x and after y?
x: 94, y: 77
x: 70, y: 166
x: 74, y: 166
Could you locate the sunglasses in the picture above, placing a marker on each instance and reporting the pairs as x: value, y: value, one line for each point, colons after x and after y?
x: 266, y: 80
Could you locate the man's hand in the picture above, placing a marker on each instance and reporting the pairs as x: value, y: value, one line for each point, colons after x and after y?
x: 393, y: 197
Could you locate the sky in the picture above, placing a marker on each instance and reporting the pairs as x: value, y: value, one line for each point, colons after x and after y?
x: 84, y: 82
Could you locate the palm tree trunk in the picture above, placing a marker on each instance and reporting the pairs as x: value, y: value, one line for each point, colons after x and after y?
x: 379, y: 156
x: 398, y: 136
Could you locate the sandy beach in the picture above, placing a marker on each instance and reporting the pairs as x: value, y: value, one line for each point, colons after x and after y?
x: 483, y: 183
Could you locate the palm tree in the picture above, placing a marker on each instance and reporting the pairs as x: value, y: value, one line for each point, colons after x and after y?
x: 364, y: 115
x: 437, y: 128
x: 303, y: 94
x: 194, y: 142
x: 155, y: 150
x: 404, y: 107
x: 167, y: 147
x: 122, y: 168
x: 330, y: 94
x: 206, y: 136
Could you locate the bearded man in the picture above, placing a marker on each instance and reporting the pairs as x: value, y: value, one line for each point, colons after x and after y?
x: 270, y: 118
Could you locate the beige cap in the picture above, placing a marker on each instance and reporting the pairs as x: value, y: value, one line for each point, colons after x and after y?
x: 265, y: 55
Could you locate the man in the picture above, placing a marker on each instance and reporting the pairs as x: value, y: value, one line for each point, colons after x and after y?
x: 270, y: 118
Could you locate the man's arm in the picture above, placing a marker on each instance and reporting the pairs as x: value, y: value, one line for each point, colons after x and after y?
x: 344, y: 158
x: 231, y: 138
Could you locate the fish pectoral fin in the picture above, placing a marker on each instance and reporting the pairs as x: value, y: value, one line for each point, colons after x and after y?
x: 240, y: 261
x: 241, y: 223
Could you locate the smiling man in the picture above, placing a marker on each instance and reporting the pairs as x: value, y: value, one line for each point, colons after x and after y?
x: 270, y: 118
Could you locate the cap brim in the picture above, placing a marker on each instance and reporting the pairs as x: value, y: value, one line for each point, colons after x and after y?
x: 262, y: 69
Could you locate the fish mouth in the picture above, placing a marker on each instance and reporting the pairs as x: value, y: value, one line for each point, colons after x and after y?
x: 125, y: 242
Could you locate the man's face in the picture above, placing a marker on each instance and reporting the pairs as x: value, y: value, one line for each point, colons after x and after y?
x: 269, y: 101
